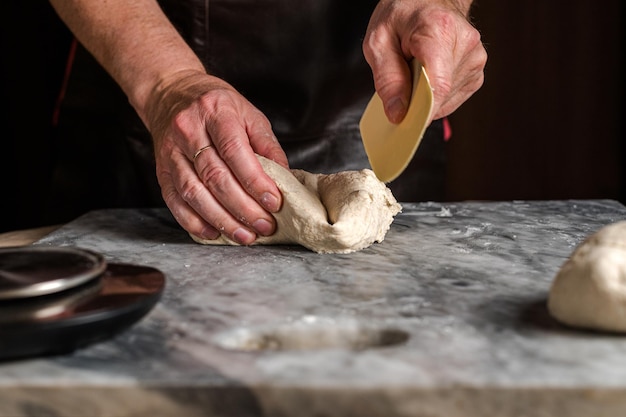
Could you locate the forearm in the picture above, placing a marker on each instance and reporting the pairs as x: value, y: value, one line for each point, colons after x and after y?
x: 132, y: 40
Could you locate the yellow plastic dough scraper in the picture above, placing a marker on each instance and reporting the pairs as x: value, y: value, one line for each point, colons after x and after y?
x: 390, y: 147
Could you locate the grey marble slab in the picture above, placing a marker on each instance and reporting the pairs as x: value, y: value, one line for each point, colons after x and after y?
x: 446, y: 317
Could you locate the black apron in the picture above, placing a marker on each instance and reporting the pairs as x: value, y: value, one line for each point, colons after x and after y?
x: 300, y: 63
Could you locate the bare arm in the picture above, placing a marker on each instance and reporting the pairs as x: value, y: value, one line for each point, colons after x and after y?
x: 221, y: 190
x: 132, y: 40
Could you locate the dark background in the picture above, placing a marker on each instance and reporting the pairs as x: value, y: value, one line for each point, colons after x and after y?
x: 35, y: 45
x: 547, y: 124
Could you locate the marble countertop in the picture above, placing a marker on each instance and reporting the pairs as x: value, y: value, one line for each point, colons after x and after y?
x: 446, y: 317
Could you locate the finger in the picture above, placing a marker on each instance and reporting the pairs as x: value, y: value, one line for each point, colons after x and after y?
x: 441, y: 81
x: 263, y: 140
x: 461, y: 96
x: 471, y: 81
x: 226, y: 189
x: 190, y: 191
x: 436, y: 54
x: 455, y: 74
x: 173, y: 170
x: 206, y: 183
x: 390, y: 70
x: 183, y: 213
x: 233, y: 144
x: 454, y: 58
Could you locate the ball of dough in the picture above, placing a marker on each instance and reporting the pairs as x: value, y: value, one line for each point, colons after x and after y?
x: 589, y: 290
x: 334, y: 213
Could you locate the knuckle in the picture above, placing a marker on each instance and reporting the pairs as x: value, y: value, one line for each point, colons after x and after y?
x: 261, y: 124
x: 214, y: 177
x: 476, y: 83
x: 231, y: 148
x: 482, y: 59
x: 190, y: 190
x: 374, y: 43
x: 163, y: 151
x: 442, y: 86
x: 168, y: 193
x: 443, y: 21
x: 181, y: 124
x: 216, y: 104
x: 473, y: 37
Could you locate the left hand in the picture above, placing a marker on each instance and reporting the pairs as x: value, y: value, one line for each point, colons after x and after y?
x: 205, y: 136
x: 438, y: 34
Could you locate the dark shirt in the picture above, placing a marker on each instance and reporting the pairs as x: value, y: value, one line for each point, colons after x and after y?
x: 300, y: 63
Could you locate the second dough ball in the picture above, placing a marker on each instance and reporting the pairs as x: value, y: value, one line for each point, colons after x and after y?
x: 589, y: 290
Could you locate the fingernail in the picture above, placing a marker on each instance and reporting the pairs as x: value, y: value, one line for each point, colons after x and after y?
x: 209, y: 233
x: 243, y: 236
x: 270, y: 202
x: 263, y: 227
x: 396, y: 109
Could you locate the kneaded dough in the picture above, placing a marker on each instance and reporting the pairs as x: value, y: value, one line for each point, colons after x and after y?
x: 589, y: 291
x: 334, y: 213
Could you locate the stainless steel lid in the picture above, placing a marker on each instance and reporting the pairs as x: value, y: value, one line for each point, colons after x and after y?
x: 30, y: 271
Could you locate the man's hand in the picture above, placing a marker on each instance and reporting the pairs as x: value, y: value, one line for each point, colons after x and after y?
x: 206, y: 135
x: 438, y: 34
x: 221, y: 190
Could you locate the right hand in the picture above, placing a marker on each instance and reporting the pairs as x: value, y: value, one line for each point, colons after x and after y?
x: 438, y: 34
x: 224, y: 190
